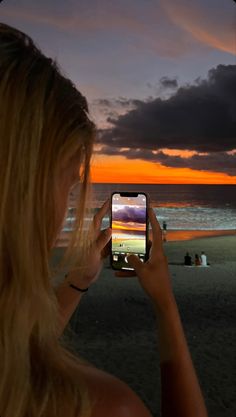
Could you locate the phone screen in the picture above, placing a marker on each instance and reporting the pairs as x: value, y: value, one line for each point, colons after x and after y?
x: 129, y: 228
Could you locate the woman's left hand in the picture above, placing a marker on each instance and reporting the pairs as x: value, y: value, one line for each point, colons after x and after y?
x: 84, y: 277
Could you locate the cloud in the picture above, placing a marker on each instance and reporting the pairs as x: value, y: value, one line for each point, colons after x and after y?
x: 105, y: 109
x: 217, y: 162
x: 167, y: 82
x: 199, y: 117
x: 210, y: 23
x: 144, y: 28
x: 170, y: 28
x: 130, y: 214
x: 222, y: 162
x: 122, y: 102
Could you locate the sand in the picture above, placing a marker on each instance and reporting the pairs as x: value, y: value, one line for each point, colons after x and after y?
x: 114, y: 326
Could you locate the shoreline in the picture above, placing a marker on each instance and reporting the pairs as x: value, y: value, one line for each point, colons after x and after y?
x: 179, y: 235
x: 171, y: 235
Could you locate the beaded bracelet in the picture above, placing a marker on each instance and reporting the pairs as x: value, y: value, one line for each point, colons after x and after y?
x: 76, y: 288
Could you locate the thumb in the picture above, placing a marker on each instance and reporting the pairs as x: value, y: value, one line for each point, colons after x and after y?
x: 135, y: 262
x: 103, y: 238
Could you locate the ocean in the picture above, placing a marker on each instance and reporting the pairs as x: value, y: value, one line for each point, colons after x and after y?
x: 182, y: 207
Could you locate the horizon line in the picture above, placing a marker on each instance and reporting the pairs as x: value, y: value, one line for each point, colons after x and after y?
x: 159, y: 183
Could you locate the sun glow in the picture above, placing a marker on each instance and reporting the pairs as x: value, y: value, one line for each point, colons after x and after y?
x: 118, y: 169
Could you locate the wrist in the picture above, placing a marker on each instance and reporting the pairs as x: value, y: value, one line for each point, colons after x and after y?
x: 81, y: 290
x: 76, y: 284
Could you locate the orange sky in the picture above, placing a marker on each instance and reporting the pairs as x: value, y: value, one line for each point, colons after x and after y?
x: 118, y: 169
x: 194, y: 18
x: 119, y: 225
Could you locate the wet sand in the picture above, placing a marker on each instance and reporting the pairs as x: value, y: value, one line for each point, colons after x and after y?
x: 114, y: 326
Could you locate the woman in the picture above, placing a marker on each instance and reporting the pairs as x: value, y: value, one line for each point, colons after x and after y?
x: 46, y: 140
x: 197, y: 260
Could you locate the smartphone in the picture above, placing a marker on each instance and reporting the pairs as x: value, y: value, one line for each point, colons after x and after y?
x: 129, y: 224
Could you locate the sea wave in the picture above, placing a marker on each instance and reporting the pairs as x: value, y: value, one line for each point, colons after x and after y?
x: 184, y: 218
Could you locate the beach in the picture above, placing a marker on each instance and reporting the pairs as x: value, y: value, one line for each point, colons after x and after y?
x: 114, y: 326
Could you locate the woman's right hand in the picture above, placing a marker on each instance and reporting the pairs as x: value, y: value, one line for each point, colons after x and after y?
x: 154, y: 274
x: 181, y: 393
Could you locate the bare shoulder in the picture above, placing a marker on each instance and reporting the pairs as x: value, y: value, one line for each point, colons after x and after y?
x: 111, y: 396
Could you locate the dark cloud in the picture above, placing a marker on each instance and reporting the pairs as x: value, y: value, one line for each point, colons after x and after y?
x: 199, y: 117
x: 130, y: 214
x: 120, y: 101
x: 103, y: 102
x: 215, y: 161
x: 167, y: 82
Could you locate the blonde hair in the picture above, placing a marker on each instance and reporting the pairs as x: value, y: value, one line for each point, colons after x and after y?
x: 44, y: 124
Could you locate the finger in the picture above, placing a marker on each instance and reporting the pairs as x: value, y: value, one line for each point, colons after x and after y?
x: 106, y: 250
x: 97, y: 220
x: 103, y: 239
x: 149, y: 247
x: 156, y: 232
x: 135, y: 263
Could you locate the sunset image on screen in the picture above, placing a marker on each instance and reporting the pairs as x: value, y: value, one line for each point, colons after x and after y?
x: 128, y: 227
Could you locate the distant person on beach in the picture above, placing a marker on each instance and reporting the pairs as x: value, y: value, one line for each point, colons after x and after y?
x: 187, y: 260
x: 46, y: 143
x: 197, y: 261
x: 203, y: 259
x: 164, y: 231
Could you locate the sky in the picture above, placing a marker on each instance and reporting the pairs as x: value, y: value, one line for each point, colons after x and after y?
x: 127, y: 217
x: 159, y: 77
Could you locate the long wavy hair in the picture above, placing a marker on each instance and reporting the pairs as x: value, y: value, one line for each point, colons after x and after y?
x: 44, y: 126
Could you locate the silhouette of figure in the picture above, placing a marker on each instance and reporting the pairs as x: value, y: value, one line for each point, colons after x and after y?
x: 164, y: 231
x: 203, y: 259
x: 197, y: 260
x: 187, y: 259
